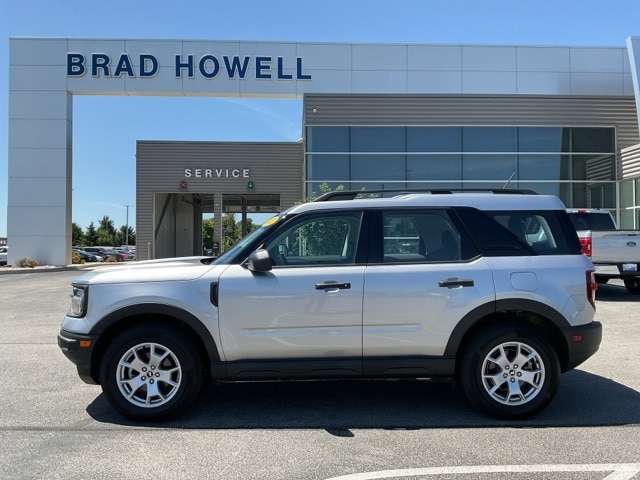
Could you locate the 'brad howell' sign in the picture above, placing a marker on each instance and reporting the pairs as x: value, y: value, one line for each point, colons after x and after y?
x: 186, y: 66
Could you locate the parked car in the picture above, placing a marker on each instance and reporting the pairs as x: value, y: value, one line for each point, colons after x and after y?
x: 488, y: 289
x: 615, y: 253
x: 4, y: 251
x: 87, y: 256
x: 106, y: 253
x: 128, y: 255
x: 116, y: 255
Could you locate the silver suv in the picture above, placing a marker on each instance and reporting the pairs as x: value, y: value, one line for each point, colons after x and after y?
x: 489, y: 289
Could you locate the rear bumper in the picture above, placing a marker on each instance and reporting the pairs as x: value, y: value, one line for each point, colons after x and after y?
x: 622, y: 270
x: 79, y: 349
x: 582, y: 341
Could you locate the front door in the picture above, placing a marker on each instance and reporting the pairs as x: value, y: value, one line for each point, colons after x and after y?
x: 309, y: 306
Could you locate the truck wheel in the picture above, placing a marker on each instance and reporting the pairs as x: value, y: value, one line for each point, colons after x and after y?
x: 151, y: 372
x: 633, y: 285
x: 509, y: 372
x: 600, y: 280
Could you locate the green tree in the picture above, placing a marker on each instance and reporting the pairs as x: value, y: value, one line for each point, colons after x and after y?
x: 232, y: 230
x: 230, y: 234
x: 251, y: 226
x: 106, y: 232
x: 207, y: 232
x: 121, y: 236
x: 107, y: 225
x: 105, y: 238
x: 324, y: 237
x: 320, y: 238
x: 91, y: 235
x: 323, y: 188
x: 77, y: 235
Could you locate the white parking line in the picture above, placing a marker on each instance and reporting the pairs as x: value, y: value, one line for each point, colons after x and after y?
x: 619, y: 471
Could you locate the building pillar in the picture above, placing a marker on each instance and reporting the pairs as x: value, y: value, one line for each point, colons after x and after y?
x: 40, y: 129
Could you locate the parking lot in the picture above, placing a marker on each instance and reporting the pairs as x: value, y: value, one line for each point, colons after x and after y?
x: 54, y: 426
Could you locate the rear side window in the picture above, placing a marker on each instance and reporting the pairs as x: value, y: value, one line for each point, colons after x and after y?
x: 417, y: 236
x: 517, y: 233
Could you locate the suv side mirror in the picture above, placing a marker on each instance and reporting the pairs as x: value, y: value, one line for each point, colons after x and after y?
x: 260, y: 261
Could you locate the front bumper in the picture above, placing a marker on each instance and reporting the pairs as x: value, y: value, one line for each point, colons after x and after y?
x: 79, y: 349
x: 582, y: 341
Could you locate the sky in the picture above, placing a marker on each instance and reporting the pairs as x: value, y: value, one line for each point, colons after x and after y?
x: 105, y: 128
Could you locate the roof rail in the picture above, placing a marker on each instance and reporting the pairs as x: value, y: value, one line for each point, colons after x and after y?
x: 353, y: 194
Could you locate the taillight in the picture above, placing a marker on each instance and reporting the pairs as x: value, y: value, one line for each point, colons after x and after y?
x: 585, y: 244
x: 592, y: 286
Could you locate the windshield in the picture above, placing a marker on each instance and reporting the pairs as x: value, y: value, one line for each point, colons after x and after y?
x: 229, y: 255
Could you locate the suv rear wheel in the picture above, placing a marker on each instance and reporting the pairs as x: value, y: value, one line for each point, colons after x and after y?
x: 509, y: 372
x: 151, y: 372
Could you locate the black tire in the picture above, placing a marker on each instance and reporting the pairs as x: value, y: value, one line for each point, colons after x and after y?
x: 174, y: 363
x: 600, y: 280
x: 509, y: 390
x: 632, y: 285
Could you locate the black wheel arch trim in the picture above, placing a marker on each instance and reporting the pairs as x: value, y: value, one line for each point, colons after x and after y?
x: 516, y: 304
x: 161, y: 309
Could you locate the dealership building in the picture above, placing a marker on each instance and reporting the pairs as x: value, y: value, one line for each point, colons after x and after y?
x: 559, y: 120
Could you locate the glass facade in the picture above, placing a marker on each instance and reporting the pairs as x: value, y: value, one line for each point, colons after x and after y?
x: 630, y: 203
x: 578, y: 164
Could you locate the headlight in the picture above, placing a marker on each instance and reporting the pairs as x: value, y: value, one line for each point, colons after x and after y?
x: 78, y: 300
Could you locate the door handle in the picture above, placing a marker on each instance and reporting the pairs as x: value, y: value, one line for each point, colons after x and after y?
x: 332, y: 285
x: 456, y: 282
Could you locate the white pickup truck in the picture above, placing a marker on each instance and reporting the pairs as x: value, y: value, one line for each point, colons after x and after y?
x: 615, y: 253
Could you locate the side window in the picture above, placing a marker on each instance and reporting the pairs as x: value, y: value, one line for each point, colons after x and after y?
x: 530, y: 228
x: 413, y: 236
x: 517, y: 232
x: 317, y: 239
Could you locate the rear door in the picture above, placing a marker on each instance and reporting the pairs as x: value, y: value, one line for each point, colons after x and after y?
x: 424, y: 275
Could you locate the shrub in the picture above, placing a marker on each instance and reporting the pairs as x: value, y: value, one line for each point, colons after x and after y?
x: 26, y: 263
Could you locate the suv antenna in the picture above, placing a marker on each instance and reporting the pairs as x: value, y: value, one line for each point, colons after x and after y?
x: 509, y: 181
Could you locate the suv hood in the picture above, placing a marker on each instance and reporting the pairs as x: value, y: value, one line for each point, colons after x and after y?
x: 175, y: 269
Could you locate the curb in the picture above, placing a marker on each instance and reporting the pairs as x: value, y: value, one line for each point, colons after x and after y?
x: 45, y: 269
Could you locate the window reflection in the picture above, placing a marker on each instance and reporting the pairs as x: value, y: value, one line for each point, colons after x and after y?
x: 593, y: 140
x: 489, y: 139
x: 543, y: 139
x: 576, y: 163
x: 488, y: 167
x: 434, y: 139
x: 541, y: 167
x: 434, y: 167
x: 378, y: 167
x: 377, y: 139
x: 328, y: 167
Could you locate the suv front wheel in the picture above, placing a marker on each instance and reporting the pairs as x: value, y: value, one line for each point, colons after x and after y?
x: 509, y: 371
x: 151, y: 372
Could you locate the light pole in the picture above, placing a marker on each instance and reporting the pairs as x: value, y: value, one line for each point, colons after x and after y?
x: 126, y: 242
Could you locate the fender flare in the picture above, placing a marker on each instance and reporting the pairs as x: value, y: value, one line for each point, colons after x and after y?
x: 161, y: 309
x: 477, y: 314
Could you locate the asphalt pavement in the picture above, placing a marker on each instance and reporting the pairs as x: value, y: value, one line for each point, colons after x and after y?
x: 53, y: 426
